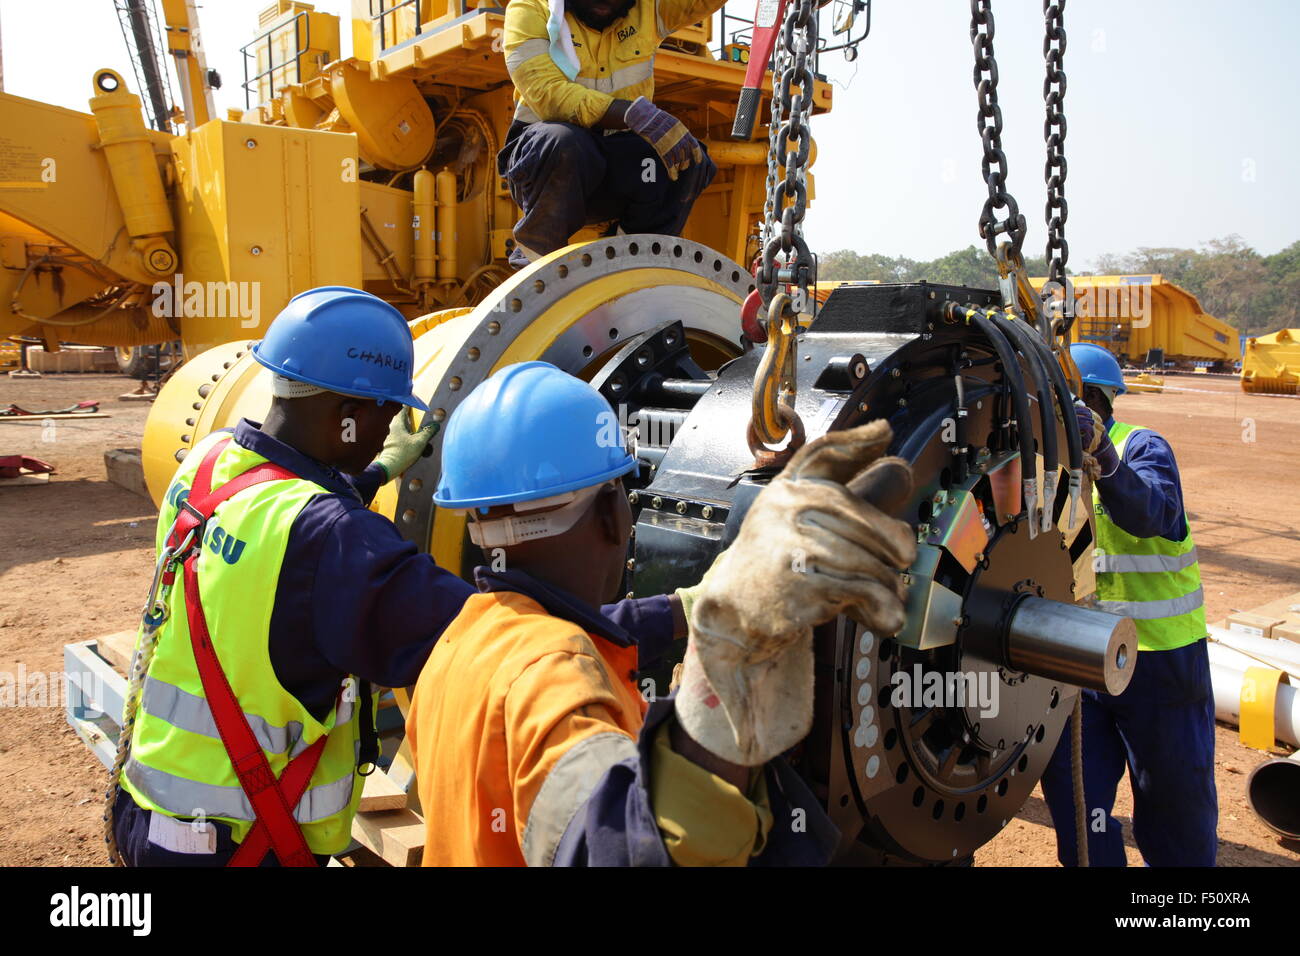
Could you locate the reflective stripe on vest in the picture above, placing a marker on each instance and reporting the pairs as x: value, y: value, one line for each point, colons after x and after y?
x: 1153, y: 610
x: 1143, y: 563
x: 191, y: 712
x: 1154, y: 581
x: 190, y: 798
x: 566, y: 789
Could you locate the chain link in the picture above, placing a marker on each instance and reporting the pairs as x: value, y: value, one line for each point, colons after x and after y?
x: 787, y: 170
x: 1058, y: 250
x: 989, y: 122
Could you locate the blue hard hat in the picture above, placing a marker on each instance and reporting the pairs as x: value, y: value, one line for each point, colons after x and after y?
x: 1097, y: 366
x: 343, y: 340
x: 529, y: 431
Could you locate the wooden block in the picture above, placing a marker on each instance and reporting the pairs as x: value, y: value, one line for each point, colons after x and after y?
x: 117, y: 649
x: 395, y: 835
x: 381, y: 793
x: 22, y: 480
x: 124, y: 469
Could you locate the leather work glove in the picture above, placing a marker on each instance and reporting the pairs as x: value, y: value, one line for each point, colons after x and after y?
x: 665, y: 133
x: 1096, y: 441
x: 809, y: 548
x: 403, y: 447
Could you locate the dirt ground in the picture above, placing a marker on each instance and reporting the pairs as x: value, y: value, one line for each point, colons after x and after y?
x: 77, y: 553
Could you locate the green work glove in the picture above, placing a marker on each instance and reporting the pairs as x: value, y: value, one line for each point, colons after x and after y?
x: 404, y: 447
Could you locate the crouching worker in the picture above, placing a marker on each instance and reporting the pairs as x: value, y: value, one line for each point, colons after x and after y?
x: 532, y: 744
x: 250, y: 730
x: 587, y: 143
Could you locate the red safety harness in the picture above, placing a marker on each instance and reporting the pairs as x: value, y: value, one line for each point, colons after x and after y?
x: 275, y: 828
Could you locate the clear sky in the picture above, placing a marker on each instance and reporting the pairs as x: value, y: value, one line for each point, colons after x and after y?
x: 1183, y: 118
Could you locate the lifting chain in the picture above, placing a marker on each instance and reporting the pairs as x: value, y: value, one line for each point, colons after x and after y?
x: 994, y: 163
x: 789, y: 147
x: 1013, y: 278
x: 1057, y: 211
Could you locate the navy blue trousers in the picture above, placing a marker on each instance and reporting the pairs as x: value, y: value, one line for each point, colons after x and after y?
x: 1162, y: 729
x: 566, y: 176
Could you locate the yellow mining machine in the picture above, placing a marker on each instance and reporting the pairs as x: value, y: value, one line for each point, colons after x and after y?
x: 377, y: 171
x: 1271, y: 363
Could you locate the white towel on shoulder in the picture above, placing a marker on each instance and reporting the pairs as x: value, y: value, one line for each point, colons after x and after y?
x: 562, y: 51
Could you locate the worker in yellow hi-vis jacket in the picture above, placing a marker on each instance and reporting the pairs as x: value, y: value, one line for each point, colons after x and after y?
x: 587, y: 144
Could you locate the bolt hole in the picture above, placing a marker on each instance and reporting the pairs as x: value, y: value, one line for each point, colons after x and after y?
x: 1056, y: 698
x: 699, y: 256
x: 735, y: 276
x: 613, y: 333
x: 563, y: 271
x: 539, y: 286
x: 586, y: 351
x: 677, y: 251
x: 925, y: 510
x: 982, y: 803
x: 937, y: 812
x: 891, y: 738
x: 493, y: 328
x: 634, y: 249
x: 844, y: 800
x: 472, y: 355
x: 1022, y: 763
x: 609, y: 252
x: 586, y: 259
x: 1002, y: 787
x: 656, y: 248
x: 1042, y: 732
x: 903, y: 771
x: 958, y: 812
x: 918, y: 796
x: 886, y: 649
x: 717, y: 265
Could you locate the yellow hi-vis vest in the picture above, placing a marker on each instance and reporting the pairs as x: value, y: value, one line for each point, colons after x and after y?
x: 178, y: 765
x: 1154, y: 581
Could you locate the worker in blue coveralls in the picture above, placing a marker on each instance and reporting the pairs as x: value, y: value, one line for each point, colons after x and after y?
x: 1162, y: 727
x: 306, y: 590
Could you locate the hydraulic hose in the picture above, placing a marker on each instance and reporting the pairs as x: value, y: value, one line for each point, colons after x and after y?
x: 1024, y: 340
x: 1073, y: 440
x: 1019, y: 397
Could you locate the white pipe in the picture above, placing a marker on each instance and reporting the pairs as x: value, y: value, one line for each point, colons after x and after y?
x: 1284, y: 655
x: 1237, y: 660
x: 1227, y: 681
x: 1274, y: 793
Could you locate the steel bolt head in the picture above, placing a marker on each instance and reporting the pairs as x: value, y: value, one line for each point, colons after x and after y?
x: 681, y: 507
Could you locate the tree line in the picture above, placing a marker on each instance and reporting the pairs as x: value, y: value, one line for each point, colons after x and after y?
x: 1255, y: 294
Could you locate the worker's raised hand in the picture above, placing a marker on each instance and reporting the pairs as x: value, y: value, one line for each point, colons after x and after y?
x: 1096, y: 441
x: 813, y: 545
x: 665, y: 134
x: 404, y: 447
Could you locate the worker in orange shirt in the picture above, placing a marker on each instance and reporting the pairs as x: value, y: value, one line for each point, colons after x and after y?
x: 531, y: 742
